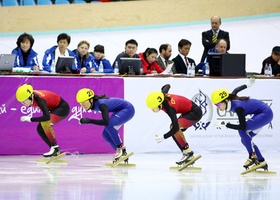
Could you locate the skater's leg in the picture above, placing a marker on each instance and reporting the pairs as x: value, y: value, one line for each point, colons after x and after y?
x: 255, y: 147
x: 246, y: 140
x: 43, y: 128
x: 42, y: 134
x: 180, y: 140
x: 106, y: 136
x: 115, y: 122
x: 48, y: 130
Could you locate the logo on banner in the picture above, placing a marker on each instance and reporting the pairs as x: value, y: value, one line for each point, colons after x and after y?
x: 204, y: 102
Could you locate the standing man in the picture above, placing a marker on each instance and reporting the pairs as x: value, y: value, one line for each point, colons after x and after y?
x: 210, y: 37
x: 182, y: 61
x: 163, y: 61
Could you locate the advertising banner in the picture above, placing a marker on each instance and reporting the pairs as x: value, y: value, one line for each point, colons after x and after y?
x: 22, y: 137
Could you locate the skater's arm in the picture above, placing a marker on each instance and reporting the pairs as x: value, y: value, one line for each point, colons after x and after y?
x: 249, y: 83
x: 42, y: 104
x: 171, y: 112
x: 242, y: 120
x: 238, y: 89
x: 165, y: 89
x: 105, y: 116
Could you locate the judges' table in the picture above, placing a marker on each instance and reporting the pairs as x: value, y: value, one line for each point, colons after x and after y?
x: 138, y: 134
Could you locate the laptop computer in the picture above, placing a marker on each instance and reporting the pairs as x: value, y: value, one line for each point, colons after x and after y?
x: 7, y: 62
x: 130, y: 66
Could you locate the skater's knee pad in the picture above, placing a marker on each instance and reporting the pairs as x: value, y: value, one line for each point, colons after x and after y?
x: 47, y: 127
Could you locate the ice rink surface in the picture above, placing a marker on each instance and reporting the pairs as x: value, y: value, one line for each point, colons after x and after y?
x: 86, y: 177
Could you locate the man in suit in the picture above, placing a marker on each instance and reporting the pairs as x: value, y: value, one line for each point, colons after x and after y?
x: 165, y: 51
x: 181, y: 61
x: 210, y: 37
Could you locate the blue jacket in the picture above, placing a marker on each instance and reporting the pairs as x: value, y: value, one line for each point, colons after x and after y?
x: 49, y: 57
x: 107, y: 67
x: 87, y: 63
x: 32, y: 59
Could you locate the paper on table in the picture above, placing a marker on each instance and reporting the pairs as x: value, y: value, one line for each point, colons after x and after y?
x: 168, y: 69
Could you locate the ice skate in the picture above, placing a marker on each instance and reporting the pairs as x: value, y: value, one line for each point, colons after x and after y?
x: 253, y: 159
x: 122, y: 158
x: 187, y: 156
x: 54, y: 151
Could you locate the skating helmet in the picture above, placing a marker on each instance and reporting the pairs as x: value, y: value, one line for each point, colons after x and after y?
x: 154, y: 99
x: 219, y: 95
x: 84, y: 95
x: 24, y: 92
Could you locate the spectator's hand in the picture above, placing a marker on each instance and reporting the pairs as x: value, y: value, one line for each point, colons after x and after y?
x: 84, y: 121
x: 159, y: 138
x: 219, y: 124
x: 250, y: 82
x: 25, y: 119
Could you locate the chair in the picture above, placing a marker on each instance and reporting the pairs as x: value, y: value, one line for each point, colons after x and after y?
x: 9, y: 3
x: 28, y: 3
x: 62, y: 2
x: 79, y: 1
x: 44, y: 2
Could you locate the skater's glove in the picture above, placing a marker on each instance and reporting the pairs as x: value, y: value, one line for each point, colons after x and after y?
x: 250, y: 82
x: 84, y: 121
x: 219, y: 124
x: 25, y: 119
x: 159, y: 138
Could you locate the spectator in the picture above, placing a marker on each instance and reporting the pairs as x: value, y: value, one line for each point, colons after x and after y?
x: 25, y: 55
x: 149, y: 64
x: 165, y: 51
x: 274, y: 61
x: 130, y: 50
x: 181, y: 61
x: 221, y: 48
x: 60, y: 50
x: 99, y: 56
x: 210, y: 37
x: 84, y: 58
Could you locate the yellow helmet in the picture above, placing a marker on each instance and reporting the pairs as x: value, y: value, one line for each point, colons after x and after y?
x: 84, y: 95
x: 154, y: 99
x: 24, y: 92
x: 219, y: 95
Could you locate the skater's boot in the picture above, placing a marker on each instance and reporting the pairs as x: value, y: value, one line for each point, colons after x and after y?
x: 264, y: 167
x: 54, y: 151
x: 253, y: 159
x: 187, y: 156
x: 121, y: 151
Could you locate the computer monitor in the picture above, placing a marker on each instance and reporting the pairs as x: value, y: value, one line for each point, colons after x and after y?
x: 130, y: 66
x: 7, y: 62
x: 64, y: 64
x: 227, y: 64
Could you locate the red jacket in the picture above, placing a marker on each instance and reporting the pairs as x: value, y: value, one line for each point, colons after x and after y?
x: 147, y: 68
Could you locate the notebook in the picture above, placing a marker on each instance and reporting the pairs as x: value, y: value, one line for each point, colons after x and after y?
x: 7, y: 62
